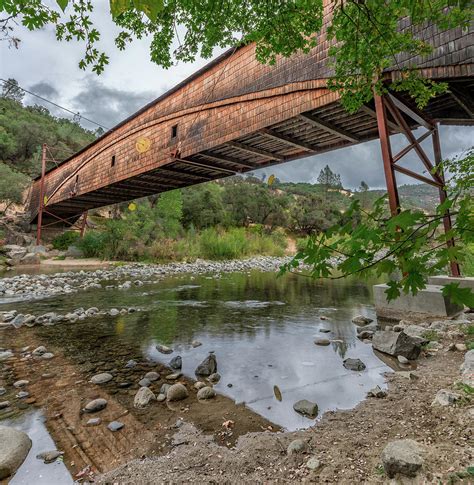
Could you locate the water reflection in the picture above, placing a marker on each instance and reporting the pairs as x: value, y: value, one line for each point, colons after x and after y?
x: 261, y: 328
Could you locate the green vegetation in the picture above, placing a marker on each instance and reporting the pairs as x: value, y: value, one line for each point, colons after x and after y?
x: 365, y: 36
x: 64, y: 240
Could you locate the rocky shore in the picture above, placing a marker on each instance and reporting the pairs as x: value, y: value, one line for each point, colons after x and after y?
x: 28, y: 286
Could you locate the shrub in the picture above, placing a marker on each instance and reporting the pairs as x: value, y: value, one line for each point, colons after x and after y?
x: 93, y: 244
x: 64, y: 240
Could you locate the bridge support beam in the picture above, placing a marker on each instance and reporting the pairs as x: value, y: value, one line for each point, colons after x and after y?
x: 388, y: 103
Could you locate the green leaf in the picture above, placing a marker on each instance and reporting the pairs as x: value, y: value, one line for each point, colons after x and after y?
x: 62, y: 4
x: 117, y: 7
x: 151, y: 8
x: 459, y: 296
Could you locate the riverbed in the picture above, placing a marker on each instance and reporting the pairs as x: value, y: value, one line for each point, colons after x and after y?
x: 260, y: 327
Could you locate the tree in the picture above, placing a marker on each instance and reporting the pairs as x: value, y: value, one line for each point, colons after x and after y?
x: 203, y: 206
x: 11, y: 90
x: 364, y: 35
x: 329, y: 180
x: 363, y: 196
x: 12, y: 184
x: 363, y: 187
x: 310, y: 214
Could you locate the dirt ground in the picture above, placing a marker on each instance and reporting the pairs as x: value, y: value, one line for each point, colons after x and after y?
x: 347, y: 443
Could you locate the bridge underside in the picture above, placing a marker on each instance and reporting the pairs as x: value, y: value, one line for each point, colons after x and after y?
x: 328, y: 127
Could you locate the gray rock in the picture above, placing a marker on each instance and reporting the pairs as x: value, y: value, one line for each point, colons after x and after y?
x: 152, y: 376
x: 161, y: 397
x: 101, y: 378
x: 214, y: 378
x: 95, y: 405
x: 444, y: 397
x: 324, y: 330
x: 313, y: 463
x: 47, y: 355
x: 396, y: 343
x: 143, y: 398
x: 22, y: 394
x: 94, y: 422
x: 164, y: 389
x: 113, y: 312
x: 164, y: 349
x: 402, y: 457
x: 417, y: 333
x: 354, y: 364
x: 378, y: 392
x: 306, y: 408
x: 206, y: 393
x: 49, y: 456
x: 4, y: 404
x: 144, y: 382
x: 14, y: 447
x: 2, y: 391
x: 74, y: 252
x: 297, y: 446
x: 362, y: 320
x: 411, y: 376
x: 115, y: 426
x: 41, y: 250
x: 207, y: 367
x: 39, y: 351
x: 18, y: 321
x: 131, y: 364
x: 174, y: 376
x: 199, y: 385
x: 195, y: 343
x: 322, y: 341
x: 176, y: 363
x: 402, y: 360
x: 92, y: 311
x: 366, y: 334
x: 177, y: 392
x: 21, y: 383
x: 30, y: 258
x: 5, y: 355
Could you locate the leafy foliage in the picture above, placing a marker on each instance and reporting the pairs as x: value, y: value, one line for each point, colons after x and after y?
x: 407, y: 247
x: 12, y: 184
x: 64, y: 240
x: 364, y: 35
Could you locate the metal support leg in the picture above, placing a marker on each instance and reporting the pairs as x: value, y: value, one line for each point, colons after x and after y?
x: 393, y: 198
x: 454, y: 266
x: 84, y: 224
x: 41, y: 195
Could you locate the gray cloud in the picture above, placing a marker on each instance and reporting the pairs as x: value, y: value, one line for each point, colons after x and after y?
x: 45, y: 89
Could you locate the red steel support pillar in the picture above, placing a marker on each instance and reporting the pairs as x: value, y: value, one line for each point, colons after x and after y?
x: 393, y: 198
x: 41, y: 194
x: 454, y: 266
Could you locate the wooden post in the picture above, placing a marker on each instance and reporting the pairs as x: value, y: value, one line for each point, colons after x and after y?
x: 41, y: 195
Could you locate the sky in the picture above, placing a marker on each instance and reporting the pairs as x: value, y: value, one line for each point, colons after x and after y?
x: 50, y: 69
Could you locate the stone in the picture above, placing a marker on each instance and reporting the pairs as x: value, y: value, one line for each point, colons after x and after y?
x: 14, y: 447
x: 411, y: 376
x: 417, y: 332
x: 362, y: 320
x: 366, y: 335
x: 199, y: 385
x: 4, y: 404
x: 152, y: 376
x: 143, y: 398
x: 402, y: 360
x: 396, y: 343
x: 164, y: 349
x: 354, y: 364
x: 324, y: 330
x: 174, y: 376
x: 92, y: 311
x: 101, y: 378
x: 5, y: 355
x: 402, y: 457
x: 2, y: 391
x: 207, y: 367
x: 39, y: 351
x: 95, y: 405
x: 177, y: 392
x: 444, y: 397
x: 144, y: 382
x: 74, y: 252
x: 164, y: 388
x: 322, y: 341
x: 176, y: 363
x: 195, y: 343
x: 21, y: 383
x: 49, y: 456
x: 113, y: 312
x: 22, y: 395
x: 18, y: 321
x: 131, y: 364
x: 206, y: 393
x: 296, y: 447
x: 467, y: 368
x: 115, y: 426
x: 460, y: 347
x: 214, y: 378
x: 47, y: 356
x: 377, y: 392
x: 306, y: 408
x: 161, y: 398
x: 30, y: 258
x: 313, y: 463
x: 94, y: 422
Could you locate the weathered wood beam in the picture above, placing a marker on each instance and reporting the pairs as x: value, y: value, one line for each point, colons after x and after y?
x: 369, y: 111
x: 418, y: 117
x: 288, y: 140
x: 329, y: 127
x: 417, y: 176
x: 464, y: 102
x: 224, y: 158
x: 206, y: 166
x: 455, y: 121
x: 255, y: 151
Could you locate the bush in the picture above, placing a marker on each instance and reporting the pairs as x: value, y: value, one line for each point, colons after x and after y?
x: 93, y: 244
x: 223, y: 245
x: 64, y: 240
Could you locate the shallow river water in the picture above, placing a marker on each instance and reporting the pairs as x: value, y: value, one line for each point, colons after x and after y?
x: 261, y: 328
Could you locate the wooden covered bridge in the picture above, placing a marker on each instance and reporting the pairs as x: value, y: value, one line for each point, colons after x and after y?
x: 236, y: 115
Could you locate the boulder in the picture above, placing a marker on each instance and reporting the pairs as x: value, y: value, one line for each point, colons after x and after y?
x: 416, y: 332
x: 396, y: 343
x: 362, y: 320
x: 306, y: 408
x: 164, y: 349
x: 297, y: 446
x: 353, y: 364
x: 208, y: 366
x: 176, y: 363
x: 101, y: 378
x: 402, y: 457
x: 206, y: 393
x: 199, y: 385
x: 14, y: 447
x: 95, y: 405
x: 74, y: 252
x: 177, y: 392
x: 143, y: 398
x: 41, y: 250
x: 444, y: 397
x: 152, y: 376
x: 30, y: 258
x: 322, y: 341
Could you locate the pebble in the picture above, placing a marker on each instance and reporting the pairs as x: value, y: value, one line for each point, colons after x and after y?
x: 144, y: 382
x: 95, y: 405
x: 49, y: 456
x: 313, y: 463
x: 4, y: 404
x: 297, y: 446
x: 206, y: 393
x: 403, y: 360
x: 322, y: 342
x: 354, y: 364
x: 21, y: 383
x: 177, y: 392
x: 94, y: 422
x: 115, y: 426
x: 102, y: 378
x: 22, y: 394
x: 199, y: 385
x: 152, y: 376
x: 164, y: 349
x: 174, y: 376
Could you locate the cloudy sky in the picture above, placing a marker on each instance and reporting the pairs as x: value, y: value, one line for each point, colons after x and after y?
x: 131, y: 80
